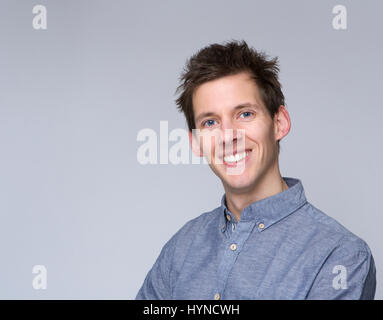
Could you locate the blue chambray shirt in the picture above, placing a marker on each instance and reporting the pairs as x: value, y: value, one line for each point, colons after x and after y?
x: 282, y: 248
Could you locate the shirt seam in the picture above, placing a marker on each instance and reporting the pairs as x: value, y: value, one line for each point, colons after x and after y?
x: 367, y: 273
x: 322, y: 264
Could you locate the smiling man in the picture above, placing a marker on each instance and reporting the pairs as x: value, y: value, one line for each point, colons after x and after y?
x: 265, y: 240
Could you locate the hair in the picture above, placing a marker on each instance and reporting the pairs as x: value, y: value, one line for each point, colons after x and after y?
x: 230, y: 58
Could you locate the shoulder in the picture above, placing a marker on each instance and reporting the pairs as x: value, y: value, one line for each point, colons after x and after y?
x: 344, y: 260
x: 175, y: 249
x: 194, y: 226
x: 178, y: 246
x: 330, y: 230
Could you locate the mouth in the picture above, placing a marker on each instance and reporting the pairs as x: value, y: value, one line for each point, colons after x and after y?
x: 234, y: 160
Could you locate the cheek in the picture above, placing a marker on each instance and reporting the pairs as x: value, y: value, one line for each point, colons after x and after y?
x: 262, y: 141
x: 256, y: 135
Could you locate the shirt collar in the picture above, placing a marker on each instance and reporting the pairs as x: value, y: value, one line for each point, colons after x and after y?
x: 272, y: 209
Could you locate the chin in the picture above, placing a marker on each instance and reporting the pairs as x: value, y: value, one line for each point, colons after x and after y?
x: 237, y: 182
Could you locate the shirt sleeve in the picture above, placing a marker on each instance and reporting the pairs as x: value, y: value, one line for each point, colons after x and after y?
x: 348, y: 273
x: 156, y: 285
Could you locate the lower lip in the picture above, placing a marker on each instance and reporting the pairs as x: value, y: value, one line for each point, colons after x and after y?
x: 234, y: 164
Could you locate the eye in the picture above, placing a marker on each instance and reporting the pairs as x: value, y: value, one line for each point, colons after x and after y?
x: 208, y: 123
x: 247, y: 114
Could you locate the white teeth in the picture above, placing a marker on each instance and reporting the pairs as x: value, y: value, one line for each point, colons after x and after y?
x: 236, y: 158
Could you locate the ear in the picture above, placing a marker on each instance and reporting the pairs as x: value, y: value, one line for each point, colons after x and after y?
x: 195, y: 145
x: 282, y: 123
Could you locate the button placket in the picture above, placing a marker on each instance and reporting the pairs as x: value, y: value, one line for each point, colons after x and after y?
x: 231, y: 252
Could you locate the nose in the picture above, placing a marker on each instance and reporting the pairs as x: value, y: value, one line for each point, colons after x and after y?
x: 228, y: 132
x: 232, y: 137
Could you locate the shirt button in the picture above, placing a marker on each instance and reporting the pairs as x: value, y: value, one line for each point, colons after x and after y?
x: 261, y: 226
x: 233, y: 246
x: 217, y: 296
x: 228, y: 217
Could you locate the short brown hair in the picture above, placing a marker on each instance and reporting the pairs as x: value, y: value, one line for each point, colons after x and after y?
x: 219, y: 60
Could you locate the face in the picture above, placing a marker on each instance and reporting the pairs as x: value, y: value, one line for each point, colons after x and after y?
x: 222, y: 108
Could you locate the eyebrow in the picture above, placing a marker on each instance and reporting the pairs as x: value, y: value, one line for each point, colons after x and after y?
x: 238, y: 107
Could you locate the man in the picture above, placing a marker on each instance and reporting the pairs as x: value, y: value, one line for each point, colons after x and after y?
x: 265, y: 241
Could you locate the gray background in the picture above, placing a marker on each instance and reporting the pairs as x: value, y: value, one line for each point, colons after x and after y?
x: 73, y: 97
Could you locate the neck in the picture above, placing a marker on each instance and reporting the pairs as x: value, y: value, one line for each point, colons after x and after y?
x: 267, y: 186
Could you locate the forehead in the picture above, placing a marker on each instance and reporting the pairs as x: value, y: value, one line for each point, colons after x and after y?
x: 226, y: 93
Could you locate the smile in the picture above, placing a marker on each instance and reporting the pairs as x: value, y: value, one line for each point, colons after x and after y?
x: 237, y: 157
